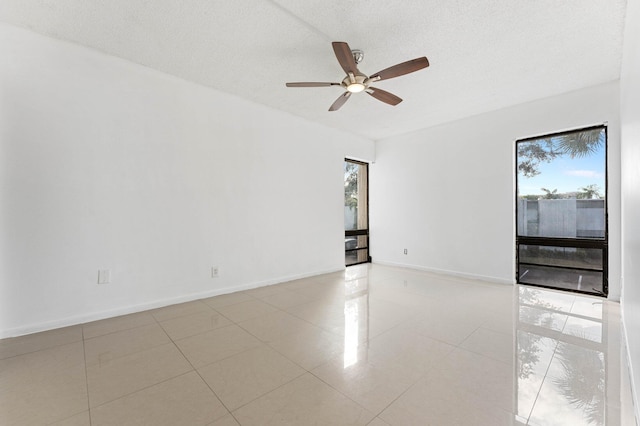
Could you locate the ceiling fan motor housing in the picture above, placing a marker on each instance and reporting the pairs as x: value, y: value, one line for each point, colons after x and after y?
x: 356, y: 83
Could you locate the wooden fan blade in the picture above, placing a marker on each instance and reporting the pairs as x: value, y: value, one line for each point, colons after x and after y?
x: 401, y: 69
x: 311, y: 84
x: 345, y: 57
x: 340, y: 101
x: 384, y: 96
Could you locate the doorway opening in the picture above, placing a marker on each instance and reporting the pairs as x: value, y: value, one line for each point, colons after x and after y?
x: 356, y: 212
x: 561, y: 211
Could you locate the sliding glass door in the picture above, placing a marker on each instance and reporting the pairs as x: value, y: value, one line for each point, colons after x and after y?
x: 356, y: 212
x: 561, y: 211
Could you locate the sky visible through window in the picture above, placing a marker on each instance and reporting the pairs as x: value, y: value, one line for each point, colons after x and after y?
x: 566, y: 174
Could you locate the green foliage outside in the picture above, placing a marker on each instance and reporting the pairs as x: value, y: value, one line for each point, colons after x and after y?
x: 350, y: 185
x: 575, y: 145
x: 590, y: 192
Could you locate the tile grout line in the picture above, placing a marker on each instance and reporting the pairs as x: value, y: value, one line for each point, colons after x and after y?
x: 141, y: 389
x: 422, y: 376
x: 265, y: 344
x: 145, y: 387
x: 159, y: 323
x: 268, y: 392
x: 344, y: 395
x: 116, y: 331
x: 323, y: 381
x: 481, y: 354
x: 544, y: 379
x: 198, y: 372
x: 221, y: 359
x: 41, y: 349
x: 304, y: 370
x: 184, y: 315
x: 148, y: 312
x: 205, y: 382
x: 86, y: 376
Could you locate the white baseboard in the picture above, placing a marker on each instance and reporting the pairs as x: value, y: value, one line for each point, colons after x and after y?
x: 94, y: 316
x: 447, y: 272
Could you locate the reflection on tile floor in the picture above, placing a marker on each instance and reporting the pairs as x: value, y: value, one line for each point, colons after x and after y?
x: 373, y: 345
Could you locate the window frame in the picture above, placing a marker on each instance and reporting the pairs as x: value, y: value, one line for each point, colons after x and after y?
x: 361, y: 232
x: 595, y: 243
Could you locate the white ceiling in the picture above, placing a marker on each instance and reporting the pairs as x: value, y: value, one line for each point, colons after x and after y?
x: 484, y: 55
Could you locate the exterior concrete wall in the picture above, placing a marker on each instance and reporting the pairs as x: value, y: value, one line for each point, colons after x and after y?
x: 561, y: 218
x: 557, y: 218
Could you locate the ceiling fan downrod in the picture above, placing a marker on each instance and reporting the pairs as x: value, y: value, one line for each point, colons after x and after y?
x: 358, y: 55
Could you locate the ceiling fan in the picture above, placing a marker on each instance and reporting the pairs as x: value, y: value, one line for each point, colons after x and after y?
x: 356, y: 81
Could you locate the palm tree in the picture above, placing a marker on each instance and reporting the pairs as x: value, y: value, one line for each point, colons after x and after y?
x: 575, y: 144
x: 582, y: 381
x: 589, y: 192
x: 550, y: 195
x: 579, y: 144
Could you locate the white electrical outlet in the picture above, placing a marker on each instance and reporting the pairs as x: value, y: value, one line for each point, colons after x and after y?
x: 405, y: 251
x: 215, y: 271
x: 104, y: 276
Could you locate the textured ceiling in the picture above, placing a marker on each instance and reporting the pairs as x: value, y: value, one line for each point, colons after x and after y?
x: 484, y: 55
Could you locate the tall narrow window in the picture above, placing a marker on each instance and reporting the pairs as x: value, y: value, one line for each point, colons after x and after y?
x: 561, y: 211
x: 356, y: 212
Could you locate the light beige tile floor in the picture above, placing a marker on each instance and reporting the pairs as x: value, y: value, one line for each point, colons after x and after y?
x: 373, y: 345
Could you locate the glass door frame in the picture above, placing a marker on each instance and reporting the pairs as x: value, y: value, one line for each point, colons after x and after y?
x: 602, y: 244
x: 360, y: 232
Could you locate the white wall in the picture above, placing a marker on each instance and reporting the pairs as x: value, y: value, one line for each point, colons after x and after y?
x: 447, y: 193
x: 630, y: 141
x: 109, y: 165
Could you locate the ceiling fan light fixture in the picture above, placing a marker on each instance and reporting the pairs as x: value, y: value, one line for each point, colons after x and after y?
x: 356, y: 87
